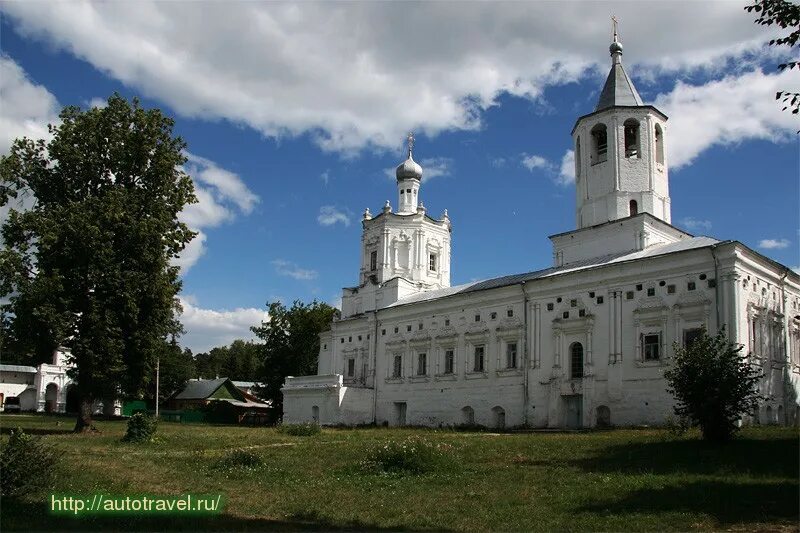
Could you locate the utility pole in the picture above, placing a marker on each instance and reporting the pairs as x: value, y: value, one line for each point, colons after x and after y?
x: 158, y: 376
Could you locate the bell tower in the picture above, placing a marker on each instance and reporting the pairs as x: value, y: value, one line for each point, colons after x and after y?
x: 620, y: 157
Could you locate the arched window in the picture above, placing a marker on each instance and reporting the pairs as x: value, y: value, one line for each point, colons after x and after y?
x: 659, y: 144
x: 577, y: 158
x: 632, y: 148
x: 576, y: 360
x: 468, y: 416
x: 634, y: 208
x: 499, y: 417
x: 599, y: 144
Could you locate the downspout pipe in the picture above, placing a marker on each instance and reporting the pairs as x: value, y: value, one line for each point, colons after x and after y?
x: 716, y: 286
x: 375, y: 369
x: 525, y: 398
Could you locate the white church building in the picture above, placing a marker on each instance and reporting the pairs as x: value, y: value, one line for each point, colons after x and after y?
x: 583, y: 343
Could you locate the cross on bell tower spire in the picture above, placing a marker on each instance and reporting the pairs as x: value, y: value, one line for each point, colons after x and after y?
x: 410, y: 140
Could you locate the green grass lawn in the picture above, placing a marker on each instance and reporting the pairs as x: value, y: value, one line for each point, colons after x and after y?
x: 616, y: 480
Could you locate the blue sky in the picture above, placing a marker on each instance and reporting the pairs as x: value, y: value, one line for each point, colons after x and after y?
x: 294, y: 113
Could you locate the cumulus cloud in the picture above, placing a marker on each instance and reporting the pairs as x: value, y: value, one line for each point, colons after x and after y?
x: 566, y: 173
x: 692, y: 223
x: 25, y: 107
x: 221, y: 196
x: 725, y: 112
x: 773, y: 244
x: 208, y: 328
x: 287, y: 268
x: 330, y: 215
x: 532, y: 162
x: 348, y: 75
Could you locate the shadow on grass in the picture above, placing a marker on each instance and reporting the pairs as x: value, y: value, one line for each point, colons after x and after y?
x: 728, y: 502
x: 759, y: 458
x: 776, y: 457
x: 30, y: 516
x: 59, y: 430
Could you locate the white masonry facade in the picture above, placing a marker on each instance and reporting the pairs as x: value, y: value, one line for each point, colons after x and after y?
x: 581, y: 344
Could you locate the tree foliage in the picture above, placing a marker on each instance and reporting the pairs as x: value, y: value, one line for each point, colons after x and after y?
x: 713, y: 384
x: 176, y: 367
x: 291, y: 343
x: 240, y: 361
x: 785, y: 15
x: 89, y: 265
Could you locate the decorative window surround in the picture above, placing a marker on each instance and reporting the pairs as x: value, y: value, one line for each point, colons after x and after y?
x: 651, y: 317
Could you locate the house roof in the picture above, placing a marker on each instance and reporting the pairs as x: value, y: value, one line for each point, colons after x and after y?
x: 18, y: 368
x: 586, y: 264
x: 200, y: 389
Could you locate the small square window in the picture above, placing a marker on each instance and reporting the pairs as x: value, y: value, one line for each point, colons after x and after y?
x: 629, y: 295
x: 342, y: 341
x: 591, y: 294
x: 712, y: 283
x: 349, y: 339
x: 420, y: 325
x: 558, y: 300
x: 493, y: 315
x: 670, y: 289
x: 573, y: 303
x: 565, y: 314
x: 324, y: 346
x: 408, y: 191
x: 383, y: 332
x: 408, y: 327
x: 446, y: 321
x: 581, y: 312
x: 691, y: 286
x: 651, y: 291
x: 638, y: 286
x: 599, y: 299
x: 510, y: 313
x: 402, y: 191
x: 477, y: 318
x: 367, y: 336
x: 396, y: 329
x: 550, y: 307
x: 359, y: 337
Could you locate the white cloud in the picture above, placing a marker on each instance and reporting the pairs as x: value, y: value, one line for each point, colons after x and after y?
x: 287, y: 268
x: 221, y: 195
x: 98, y: 102
x: 725, y: 112
x: 208, y: 328
x: 695, y: 223
x: 325, y: 176
x: 289, y: 69
x: 330, y: 215
x: 773, y: 244
x: 25, y: 108
x: 566, y: 174
x: 532, y: 162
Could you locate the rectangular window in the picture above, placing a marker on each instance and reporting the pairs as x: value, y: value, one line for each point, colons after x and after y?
x: 478, y: 363
x: 670, y: 289
x: 397, y: 370
x: 691, y: 335
x: 651, y: 347
x: 373, y: 260
x: 422, y: 364
x: 511, y: 355
x: 691, y: 286
x: 449, y: 361
x: 351, y: 367
x: 651, y: 291
x: 510, y: 313
x: 432, y: 262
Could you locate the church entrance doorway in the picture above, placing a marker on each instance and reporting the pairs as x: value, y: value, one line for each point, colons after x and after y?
x: 573, y: 411
x: 51, y: 398
x: 400, y: 413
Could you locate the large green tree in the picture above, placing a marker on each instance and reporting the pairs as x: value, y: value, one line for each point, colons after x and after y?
x: 176, y: 367
x: 240, y: 361
x: 89, y: 265
x: 291, y: 343
x: 714, y: 384
x: 785, y: 15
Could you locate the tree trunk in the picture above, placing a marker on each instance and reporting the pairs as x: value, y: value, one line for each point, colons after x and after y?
x: 85, y: 422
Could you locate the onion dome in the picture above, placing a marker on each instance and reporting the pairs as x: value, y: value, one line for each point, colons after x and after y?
x: 409, y: 169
